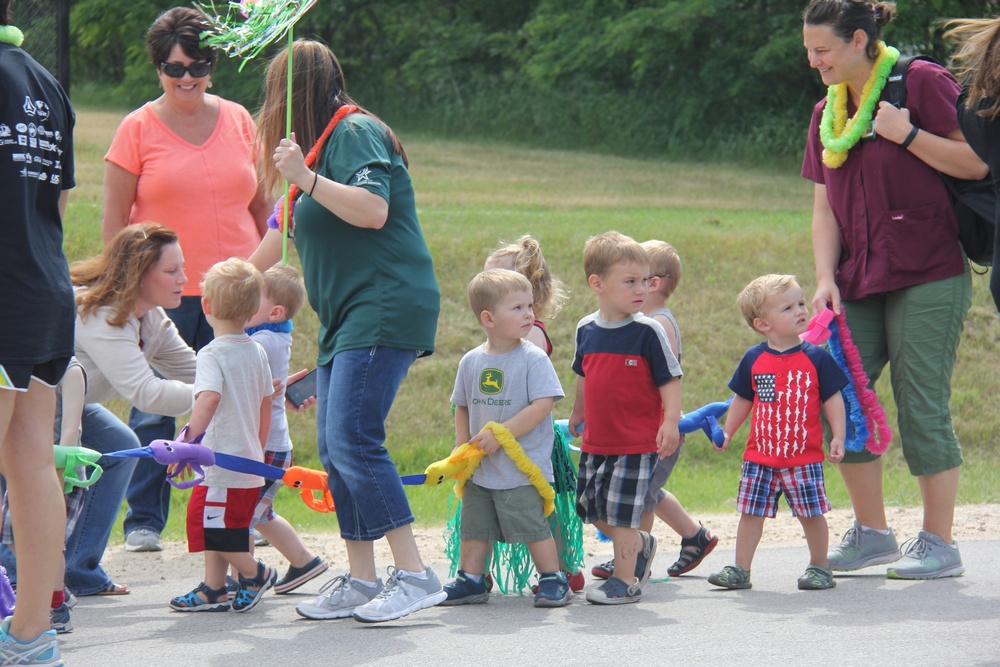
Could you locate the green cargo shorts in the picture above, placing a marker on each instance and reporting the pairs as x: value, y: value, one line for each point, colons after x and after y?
x: 503, y: 515
x: 916, y: 331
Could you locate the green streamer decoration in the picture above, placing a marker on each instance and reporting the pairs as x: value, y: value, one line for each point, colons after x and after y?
x: 246, y: 28
x: 510, y: 564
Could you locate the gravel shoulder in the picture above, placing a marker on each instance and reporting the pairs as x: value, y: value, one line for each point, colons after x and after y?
x: 972, y: 522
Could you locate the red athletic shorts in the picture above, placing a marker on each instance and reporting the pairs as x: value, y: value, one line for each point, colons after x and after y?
x: 218, y: 519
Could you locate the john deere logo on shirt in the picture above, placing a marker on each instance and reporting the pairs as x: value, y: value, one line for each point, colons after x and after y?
x: 491, y: 381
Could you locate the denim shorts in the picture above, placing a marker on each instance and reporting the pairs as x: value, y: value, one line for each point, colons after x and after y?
x: 503, y: 515
x: 354, y: 393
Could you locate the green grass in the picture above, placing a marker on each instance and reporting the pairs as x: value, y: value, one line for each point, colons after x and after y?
x: 729, y: 223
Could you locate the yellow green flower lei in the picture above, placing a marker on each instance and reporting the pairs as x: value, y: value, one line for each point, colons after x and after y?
x: 521, y: 459
x: 9, y: 34
x: 836, y: 131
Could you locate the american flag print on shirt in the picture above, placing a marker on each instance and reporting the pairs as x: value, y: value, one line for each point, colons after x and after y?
x: 782, y: 428
x: 787, y: 390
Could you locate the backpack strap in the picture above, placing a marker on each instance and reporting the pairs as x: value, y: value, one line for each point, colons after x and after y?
x: 895, y: 86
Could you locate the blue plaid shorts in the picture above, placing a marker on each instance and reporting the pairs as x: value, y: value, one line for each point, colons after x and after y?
x: 264, y: 511
x: 761, y: 486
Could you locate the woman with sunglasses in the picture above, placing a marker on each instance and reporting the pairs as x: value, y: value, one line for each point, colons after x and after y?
x: 185, y: 160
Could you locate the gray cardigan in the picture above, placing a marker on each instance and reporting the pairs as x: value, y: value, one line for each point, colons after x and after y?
x: 118, y: 365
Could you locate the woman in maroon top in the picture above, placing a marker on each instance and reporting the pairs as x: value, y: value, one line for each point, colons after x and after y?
x: 885, y: 243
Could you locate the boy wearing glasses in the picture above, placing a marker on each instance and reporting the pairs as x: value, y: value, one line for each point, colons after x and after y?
x: 187, y: 160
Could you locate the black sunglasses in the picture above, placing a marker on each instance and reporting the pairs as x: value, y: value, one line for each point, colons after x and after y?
x: 196, y: 69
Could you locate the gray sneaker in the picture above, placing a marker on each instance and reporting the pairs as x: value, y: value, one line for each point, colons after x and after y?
x: 338, y: 598
x: 862, y: 548
x: 143, y: 540
x: 43, y: 650
x: 403, y: 594
x: 927, y: 556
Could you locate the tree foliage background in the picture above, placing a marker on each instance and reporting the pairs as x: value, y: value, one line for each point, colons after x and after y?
x: 705, y: 79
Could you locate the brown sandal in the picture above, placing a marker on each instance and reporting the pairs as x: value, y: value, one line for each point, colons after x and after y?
x: 114, y: 589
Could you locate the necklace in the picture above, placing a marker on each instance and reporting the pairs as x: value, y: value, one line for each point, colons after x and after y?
x: 9, y: 34
x: 836, y: 131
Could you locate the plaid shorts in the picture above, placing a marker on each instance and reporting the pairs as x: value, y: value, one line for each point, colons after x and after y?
x: 74, y: 507
x: 761, y: 486
x: 611, y: 488
x: 264, y: 511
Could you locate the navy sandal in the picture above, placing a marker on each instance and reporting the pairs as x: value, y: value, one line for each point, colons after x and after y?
x: 217, y: 600
x: 246, y: 599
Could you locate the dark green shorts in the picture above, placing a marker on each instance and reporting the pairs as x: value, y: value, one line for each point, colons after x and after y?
x: 503, y: 515
x: 916, y: 332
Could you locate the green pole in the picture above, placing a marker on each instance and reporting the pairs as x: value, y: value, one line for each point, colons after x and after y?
x: 288, y: 134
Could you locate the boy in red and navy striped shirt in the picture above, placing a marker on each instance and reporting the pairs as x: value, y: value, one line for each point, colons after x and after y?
x: 628, y: 392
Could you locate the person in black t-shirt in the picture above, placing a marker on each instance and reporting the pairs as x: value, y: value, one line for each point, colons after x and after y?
x: 36, y: 343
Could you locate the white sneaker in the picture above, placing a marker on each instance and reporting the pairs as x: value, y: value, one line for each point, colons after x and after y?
x: 143, y: 540
x: 403, y: 594
x: 338, y: 598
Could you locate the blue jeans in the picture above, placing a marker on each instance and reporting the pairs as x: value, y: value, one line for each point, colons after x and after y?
x: 354, y: 393
x: 104, y: 432
x: 148, y: 493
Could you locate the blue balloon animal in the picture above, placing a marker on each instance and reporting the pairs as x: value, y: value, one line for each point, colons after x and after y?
x: 705, y: 418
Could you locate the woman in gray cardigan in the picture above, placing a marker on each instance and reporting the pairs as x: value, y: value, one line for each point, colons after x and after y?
x: 130, y: 349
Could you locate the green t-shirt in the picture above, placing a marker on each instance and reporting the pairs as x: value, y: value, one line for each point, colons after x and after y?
x: 368, y: 286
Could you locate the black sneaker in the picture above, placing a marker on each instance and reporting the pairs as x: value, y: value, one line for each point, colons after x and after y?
x: 604, y: 570
x: 297, y: 576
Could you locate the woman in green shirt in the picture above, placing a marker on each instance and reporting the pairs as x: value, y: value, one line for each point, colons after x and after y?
x: 370, y: 279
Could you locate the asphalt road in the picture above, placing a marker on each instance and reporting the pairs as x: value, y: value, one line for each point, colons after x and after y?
x: 866, y: 620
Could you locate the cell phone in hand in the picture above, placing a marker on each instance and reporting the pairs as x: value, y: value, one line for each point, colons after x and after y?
x: 301, y: 389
